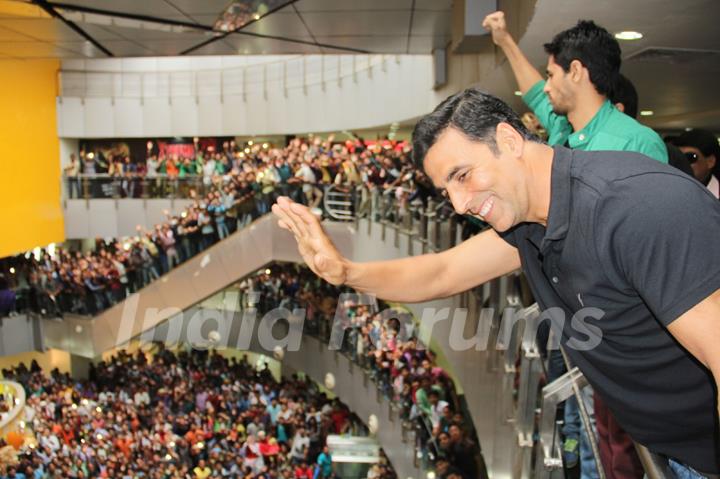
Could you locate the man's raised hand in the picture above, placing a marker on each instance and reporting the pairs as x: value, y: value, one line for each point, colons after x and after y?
x: 495, y: 23
x: 318, y: 252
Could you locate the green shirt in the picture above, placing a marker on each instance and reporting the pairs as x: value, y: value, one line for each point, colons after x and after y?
x: 609, y: 129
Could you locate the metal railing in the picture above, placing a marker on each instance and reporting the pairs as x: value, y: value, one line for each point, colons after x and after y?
x: 94, y: 186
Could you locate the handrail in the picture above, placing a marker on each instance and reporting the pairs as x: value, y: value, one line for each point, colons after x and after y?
x: 14, y: 419
x: 251, y: 78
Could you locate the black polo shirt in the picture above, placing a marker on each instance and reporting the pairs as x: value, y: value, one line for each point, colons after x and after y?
x: 639, y: 241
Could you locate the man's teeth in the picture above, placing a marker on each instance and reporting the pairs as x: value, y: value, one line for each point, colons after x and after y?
x: 486, y: 208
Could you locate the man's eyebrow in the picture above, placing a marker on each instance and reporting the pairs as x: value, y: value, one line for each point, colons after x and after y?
x: 452, y: 173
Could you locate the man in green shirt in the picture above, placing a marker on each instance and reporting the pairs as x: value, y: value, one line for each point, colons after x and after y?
x: 573, y: 106
x: 573, y: 103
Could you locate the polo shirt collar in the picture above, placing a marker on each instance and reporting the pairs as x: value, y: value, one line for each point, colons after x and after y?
x: 580, y: 138
x: 560, y: 197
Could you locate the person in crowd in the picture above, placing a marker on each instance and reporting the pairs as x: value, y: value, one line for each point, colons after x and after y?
x: 7, y: 298
x: 573, y: 105
x: 72, y: 172
x: 702, y: 151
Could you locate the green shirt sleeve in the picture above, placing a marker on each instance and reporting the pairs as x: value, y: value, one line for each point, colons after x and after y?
x: 557, y: 126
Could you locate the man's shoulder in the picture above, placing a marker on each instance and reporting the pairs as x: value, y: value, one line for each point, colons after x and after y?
x: 636, y: 178
x: 599, y: 169
x: 629, y: 131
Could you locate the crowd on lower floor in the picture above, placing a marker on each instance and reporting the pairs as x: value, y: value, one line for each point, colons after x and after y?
x: 186, y: 415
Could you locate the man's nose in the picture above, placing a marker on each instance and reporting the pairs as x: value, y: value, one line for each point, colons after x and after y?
x: 459, y: 200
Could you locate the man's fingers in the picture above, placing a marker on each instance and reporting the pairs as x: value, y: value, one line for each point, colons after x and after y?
x: 283, y: 225
x: 295, y: 225
x: 311, y: 221
x: 287, y: 223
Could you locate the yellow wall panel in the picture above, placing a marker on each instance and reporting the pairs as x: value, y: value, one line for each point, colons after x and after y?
x: 29, y: 156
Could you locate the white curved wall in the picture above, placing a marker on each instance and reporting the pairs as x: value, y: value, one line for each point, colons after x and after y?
x: 216, y: 96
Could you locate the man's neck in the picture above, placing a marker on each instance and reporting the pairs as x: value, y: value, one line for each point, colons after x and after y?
x: 539, y: 172
x: 588, y: 105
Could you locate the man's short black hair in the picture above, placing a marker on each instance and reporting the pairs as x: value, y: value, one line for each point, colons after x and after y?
x: 591, y: 45
x: 473, y: 113
x: 623, y: 91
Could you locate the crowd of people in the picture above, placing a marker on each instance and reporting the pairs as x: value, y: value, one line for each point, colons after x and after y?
x: 236, y: 189
x: 328, y: 162
x: 383, y: 340
x: 198, y: 412
x: 190, y: 415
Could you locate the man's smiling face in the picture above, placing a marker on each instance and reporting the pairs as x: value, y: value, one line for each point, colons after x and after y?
x: 477, y: 180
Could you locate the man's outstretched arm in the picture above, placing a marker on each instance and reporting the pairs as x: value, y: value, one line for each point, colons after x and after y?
x: 413, y: 279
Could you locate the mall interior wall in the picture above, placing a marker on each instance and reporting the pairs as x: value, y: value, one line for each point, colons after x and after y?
x: 215, y: 96
x: 30, y: 179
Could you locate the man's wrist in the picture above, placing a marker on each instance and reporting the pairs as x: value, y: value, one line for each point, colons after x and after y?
x: 505, y: 41
x: 353, y: 272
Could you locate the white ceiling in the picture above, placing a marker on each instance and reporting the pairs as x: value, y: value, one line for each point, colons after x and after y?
x: 373, y: 26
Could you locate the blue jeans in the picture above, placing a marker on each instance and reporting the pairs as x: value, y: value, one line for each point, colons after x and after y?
x: 574, y: 428
x: 682, y: 471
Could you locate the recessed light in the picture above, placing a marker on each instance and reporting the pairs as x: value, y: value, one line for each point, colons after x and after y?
x: 628, y: 35
x: 647, y: 113
x: 518, y: 93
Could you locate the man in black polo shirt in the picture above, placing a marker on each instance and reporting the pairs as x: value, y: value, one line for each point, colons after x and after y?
x: 614, y: 240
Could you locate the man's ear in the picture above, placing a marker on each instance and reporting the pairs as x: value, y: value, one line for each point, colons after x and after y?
x: 576, y: 71
x: 508, y: 139
x: 712, y: 161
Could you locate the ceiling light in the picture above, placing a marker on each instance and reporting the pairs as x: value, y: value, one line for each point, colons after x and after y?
x: 628, y: 35
x: 647, y: 113
x: 12, y: 270
x: 265, y: 145
x: 241, y: 12
x: 250, y: 143
x: 518, y: 93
